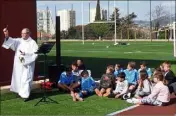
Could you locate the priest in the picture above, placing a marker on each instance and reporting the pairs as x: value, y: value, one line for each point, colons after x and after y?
x: 24, y: 62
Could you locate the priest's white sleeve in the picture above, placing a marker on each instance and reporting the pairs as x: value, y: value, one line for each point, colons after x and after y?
x: 10, y: 43
x: 31, y: 57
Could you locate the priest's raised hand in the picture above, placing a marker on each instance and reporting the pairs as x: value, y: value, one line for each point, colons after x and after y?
x: 6, y: 32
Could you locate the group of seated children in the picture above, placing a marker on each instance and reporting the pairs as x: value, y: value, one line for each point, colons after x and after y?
x: 77, y: 81
x: 144, y: 87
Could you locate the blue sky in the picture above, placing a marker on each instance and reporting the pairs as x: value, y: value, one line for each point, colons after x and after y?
x: 141, y: 8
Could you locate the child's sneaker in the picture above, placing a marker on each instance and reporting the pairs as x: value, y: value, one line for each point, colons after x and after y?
x: 126, y: 96
x: 133, y: 101
x: 129, y: 95
x: 129, y: 101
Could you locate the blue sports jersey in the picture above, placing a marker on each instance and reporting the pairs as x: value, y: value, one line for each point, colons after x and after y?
x: 87, y: 84
x: 149, y: 72
x: 116, y: 72
x: 131, y: 76
x: 64, y: 79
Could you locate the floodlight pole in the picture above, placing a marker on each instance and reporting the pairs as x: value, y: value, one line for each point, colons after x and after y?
x: 89, y: 11
x: 115, y: 19
x: 174, y: 39
x: 55, y: 17
x: 82, y: 23
x: 108, y: 10
x: 128, y: 31
x: 150, y: 21
x: 170, y: 26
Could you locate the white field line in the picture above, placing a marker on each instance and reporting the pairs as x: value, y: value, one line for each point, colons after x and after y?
x: 119, y: 40
x: 155, y: 45
x: 123, y: 110
x: 115, y: 52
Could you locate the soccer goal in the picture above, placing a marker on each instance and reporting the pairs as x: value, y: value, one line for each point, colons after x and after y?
x: 174, y: 24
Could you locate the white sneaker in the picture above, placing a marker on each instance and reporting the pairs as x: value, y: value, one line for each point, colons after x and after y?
x: 129, y: 100
x: 129, y: 95
x: 133, y: 101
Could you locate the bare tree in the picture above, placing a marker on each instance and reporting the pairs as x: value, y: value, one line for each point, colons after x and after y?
x: 159, y: 14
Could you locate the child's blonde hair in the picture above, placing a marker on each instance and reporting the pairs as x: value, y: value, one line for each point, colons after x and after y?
x: 166, y: 63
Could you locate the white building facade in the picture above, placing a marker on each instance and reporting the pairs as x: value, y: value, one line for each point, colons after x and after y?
x: 45, y: 22
x: 67, y: 19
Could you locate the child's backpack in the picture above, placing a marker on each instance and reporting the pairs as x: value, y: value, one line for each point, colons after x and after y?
x: 47, y: 85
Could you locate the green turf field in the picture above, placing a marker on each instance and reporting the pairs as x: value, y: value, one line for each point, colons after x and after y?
x: 96, y: 58
x: 91, y: 106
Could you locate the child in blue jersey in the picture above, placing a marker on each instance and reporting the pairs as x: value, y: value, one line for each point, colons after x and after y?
x: 66, y: 80
x: 118, y: 70
x: 132, y: 77
x: 87, y: 87
x: 143, y: 66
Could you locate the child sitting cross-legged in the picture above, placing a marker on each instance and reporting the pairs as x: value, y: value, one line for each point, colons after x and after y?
x: 131, y: 77
x: 160, y: 95
x: 87, y: 87
x: 144, y: 85
x: 121, y: 86
x: 107, y: 82
x: 66, y: 80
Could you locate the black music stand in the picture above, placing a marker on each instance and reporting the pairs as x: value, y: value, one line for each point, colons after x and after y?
x: 44, y: 49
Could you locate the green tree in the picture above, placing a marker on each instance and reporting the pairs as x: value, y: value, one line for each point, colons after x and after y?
x: 99, y: 29
x: 72, y: 33
x: 128, y: 21
x: 112, y: 17
x: 64, y: 34
x: 122, y: 22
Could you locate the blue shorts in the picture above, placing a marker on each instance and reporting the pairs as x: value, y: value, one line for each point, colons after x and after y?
x: 88, y: 93
x: 64, y: 84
